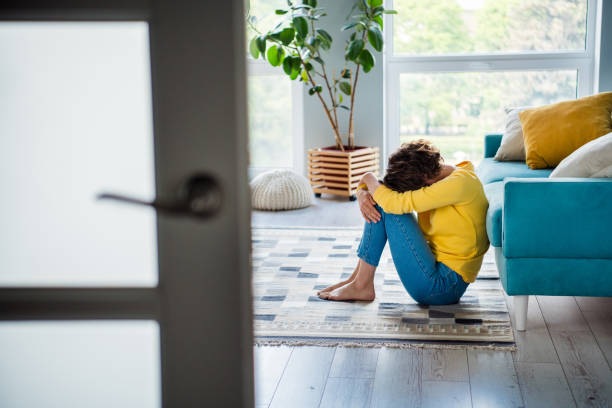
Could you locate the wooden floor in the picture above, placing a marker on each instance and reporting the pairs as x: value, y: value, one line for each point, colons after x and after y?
x: 563, y: 359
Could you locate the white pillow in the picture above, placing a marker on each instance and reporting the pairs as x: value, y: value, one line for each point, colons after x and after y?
x: 606, y: 172
x: 593, y: 159
x: 512, y: 147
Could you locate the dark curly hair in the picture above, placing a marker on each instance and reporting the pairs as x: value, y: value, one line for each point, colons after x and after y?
x: 412, y: 165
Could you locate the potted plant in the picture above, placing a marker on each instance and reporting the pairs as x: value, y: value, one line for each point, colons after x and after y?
x: 296, y: 45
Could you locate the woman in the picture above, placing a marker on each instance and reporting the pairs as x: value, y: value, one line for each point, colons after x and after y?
x: 440, y: 255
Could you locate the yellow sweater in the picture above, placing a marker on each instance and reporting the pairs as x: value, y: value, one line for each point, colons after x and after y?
x: 452, y: 216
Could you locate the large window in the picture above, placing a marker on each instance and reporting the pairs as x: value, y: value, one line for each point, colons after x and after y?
x: 275, y: 134
x: 453, y: 66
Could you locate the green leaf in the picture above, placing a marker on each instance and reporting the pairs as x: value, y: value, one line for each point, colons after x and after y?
x: 286, y: 36
x: 345, y: 87
x: 376, y: 38
x: 375, y: 3
x: 253, y: 48
x: 280, y: 12
x: 379, y: 20
x: 324, y: 44
x: 389, y: 12
x: 304, y: 75
x: 261, y: 44
x: 308, y: 66
x: 340, y: 98
x: 275, y: 55
x: 288, y: 65
x: 354, y: 49
x: 353, y: 36
x: 314, y: 42
x: 296, y: 63
x: 377, y: 11
x: 346, y: 73
x: 294, y: 74
x: 325, y: 35
x: 275, y: 35
x: 312, y: 3
x: 349, y: 26
x: 301, y: 26
x: 315, y: 89
x: 366, y: 60
x: 344, y: 107
x: 319, y: 60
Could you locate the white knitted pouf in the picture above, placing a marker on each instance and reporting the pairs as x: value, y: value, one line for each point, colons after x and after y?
x: 280, y: 190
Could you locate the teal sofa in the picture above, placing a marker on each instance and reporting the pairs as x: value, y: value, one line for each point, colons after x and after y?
x: 551, y: 236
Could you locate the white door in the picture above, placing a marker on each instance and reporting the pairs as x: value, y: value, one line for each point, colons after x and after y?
x: 104, y: 302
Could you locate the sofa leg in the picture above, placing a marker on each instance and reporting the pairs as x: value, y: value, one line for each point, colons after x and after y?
x: 520, y: 311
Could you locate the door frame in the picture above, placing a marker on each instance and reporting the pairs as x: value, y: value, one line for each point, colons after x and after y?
x: 203, y: 300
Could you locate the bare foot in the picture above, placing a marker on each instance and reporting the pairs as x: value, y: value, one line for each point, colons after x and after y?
x: 340, y: 284
x: 351, y: 291
x: 336, y: 286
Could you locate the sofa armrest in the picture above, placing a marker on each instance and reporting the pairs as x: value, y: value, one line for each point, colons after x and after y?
x: 557, y: 218
x: 491, y: 144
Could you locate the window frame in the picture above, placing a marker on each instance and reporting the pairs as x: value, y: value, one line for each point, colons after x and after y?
x: 263, y: 68
x: 395, y: 65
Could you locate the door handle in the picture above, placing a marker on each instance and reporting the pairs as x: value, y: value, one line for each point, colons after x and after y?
x: 200, y: 196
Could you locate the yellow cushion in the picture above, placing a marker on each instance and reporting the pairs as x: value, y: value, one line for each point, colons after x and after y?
x: 553, y: 132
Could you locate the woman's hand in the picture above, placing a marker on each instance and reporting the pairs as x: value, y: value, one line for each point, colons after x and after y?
x: 370, y: 180
x: 367, y: 206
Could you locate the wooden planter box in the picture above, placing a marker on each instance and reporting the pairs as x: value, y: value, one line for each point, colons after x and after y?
x: 332, y: 171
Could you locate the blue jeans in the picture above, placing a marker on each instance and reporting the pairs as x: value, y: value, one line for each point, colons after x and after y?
x: 428, y: 281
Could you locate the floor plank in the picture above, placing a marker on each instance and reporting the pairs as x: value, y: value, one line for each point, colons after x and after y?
x: 600, y: 323
x: 562, y: 313
x: 586, y: 369
x: 594, y: 304
x: 347, y: 392
x: 270, y: 363
x: 354, y: 362
x: 533, y: 345
x: 445, y: 365
x: 544, y: 385
x: 598, y: 313
x: 493, y: 380
x: 437, y: 394
x: 398, y: 379
x: 304, y: 378
x: 584, y: 365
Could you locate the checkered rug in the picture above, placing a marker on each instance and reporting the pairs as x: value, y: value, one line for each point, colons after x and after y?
x: 291, y: 264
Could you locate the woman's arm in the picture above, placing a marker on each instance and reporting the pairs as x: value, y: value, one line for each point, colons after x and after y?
x: 370, y: 180
x: 450, y: 190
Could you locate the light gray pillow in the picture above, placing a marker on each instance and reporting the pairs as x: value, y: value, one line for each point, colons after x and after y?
x: 593, y: 159
x: 512, y: 147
